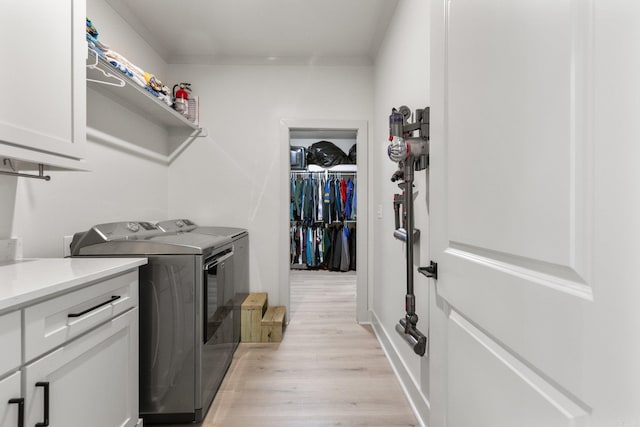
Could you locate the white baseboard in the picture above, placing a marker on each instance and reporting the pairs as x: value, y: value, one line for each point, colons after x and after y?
x: 417, y: 400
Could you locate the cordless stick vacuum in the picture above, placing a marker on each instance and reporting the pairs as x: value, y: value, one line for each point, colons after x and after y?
x: 412, y: 154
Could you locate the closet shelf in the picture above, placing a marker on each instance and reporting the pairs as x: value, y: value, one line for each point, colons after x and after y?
x: 133, y: 96
x: 336, y: 168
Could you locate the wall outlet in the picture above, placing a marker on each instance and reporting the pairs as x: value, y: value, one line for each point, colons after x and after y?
x: 66, y: 246
x: 379, y: 213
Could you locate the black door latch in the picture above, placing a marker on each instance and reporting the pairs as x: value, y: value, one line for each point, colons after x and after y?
x: 431, y: 271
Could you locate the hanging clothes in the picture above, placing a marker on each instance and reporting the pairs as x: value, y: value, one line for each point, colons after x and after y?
x: 336, y: 253
x: 348, y: 199
x: 352, y: 246
x: 345, y: 258
x: 354, y: 203
x: 320, y: 199
x: 320, y: 205
x: 338, y: 206
x: 326, y: 201
x: 343, y: 198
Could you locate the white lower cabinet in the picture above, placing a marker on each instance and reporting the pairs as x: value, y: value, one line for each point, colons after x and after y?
x: 11, y: 401
x: 90, y: 381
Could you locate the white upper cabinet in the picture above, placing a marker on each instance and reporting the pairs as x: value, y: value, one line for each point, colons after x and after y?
x: 43, y: 111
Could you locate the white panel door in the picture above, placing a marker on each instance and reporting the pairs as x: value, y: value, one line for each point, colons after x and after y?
x: 535, y: 213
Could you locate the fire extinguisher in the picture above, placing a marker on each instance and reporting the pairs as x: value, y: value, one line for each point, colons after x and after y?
x: 181, y: 98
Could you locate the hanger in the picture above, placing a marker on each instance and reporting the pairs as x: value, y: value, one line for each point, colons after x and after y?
x: 120, y: 82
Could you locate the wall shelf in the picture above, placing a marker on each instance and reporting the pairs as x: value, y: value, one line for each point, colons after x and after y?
x: 106, y: 80
x: 132, y: 96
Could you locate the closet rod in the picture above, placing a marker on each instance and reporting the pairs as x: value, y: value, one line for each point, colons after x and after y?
x: 40, y: 175
x: 322, y: 173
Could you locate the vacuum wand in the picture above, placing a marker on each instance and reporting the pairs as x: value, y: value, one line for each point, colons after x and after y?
x: 408, y: 326
x: 411, y: 154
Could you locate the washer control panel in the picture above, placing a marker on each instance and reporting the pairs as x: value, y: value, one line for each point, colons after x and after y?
x: 128, y: 230
x: 175, y: 225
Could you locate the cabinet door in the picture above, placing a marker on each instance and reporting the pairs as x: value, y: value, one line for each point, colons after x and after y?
x: 42, y: 113
x: 92, y: 381
x: 9, y: 389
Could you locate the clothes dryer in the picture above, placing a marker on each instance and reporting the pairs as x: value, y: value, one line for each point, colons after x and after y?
x: 239, y: 237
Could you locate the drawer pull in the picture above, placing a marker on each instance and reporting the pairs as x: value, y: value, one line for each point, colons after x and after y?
x: 45, y: 422
x: 20, y: 403
x: 82, y: 313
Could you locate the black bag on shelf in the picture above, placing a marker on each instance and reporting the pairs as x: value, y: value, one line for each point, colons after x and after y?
x: 325, y: 153
x: 352, y: 155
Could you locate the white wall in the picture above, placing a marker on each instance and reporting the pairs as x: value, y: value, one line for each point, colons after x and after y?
x: 401, y: 78
x: 8, y: 197
x: 233, y: 177
x: 120, y: 37
x: 119, y: 187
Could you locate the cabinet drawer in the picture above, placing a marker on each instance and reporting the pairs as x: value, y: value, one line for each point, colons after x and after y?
x: 9, y: 341
x: 53, y: 322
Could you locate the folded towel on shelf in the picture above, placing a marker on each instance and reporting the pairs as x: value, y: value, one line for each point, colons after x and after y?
x: 93, y: 47
x: 91, y: 29
x: 139, y: 81
x: 121, y: 67
x: 111, y: 54
x: 142, y: 78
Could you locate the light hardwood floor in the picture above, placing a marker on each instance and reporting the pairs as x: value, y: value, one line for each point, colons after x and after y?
x: 327, y: 371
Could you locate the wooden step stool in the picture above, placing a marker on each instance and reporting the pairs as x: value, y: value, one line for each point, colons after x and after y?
x: 251, y: 312
x: 273, y: 324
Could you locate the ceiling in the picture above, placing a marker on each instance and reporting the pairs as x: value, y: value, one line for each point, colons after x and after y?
x: 332, y: 32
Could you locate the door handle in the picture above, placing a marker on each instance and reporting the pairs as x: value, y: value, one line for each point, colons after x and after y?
x: 82, y: 313
x: 20, y: 403
x: 217, y: 261
x: 45, y: 385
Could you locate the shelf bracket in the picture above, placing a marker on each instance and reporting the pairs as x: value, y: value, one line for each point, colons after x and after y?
x: 41, y: 175
x: 195, y: 134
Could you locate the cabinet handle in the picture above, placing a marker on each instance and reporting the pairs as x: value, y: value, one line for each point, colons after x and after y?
x: 82, y: 313
x: 20, y: 403
x: 45, y: 422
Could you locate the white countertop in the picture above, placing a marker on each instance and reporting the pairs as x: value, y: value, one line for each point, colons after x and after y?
x: 27, y: 280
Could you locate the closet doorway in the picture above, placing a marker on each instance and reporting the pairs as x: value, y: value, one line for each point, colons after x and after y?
x: 345, y: 135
